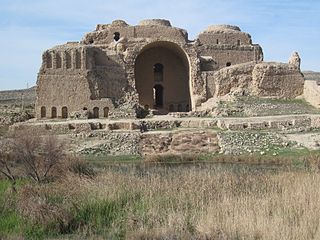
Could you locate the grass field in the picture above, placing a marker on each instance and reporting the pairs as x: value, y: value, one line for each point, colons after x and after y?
x: 155, y: 199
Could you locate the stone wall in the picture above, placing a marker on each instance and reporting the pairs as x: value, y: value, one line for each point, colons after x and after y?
x: 312, y: 88
x: 277, y: 80
x: 188, y: 142
x: 264, y: 79
x: 102, y: 71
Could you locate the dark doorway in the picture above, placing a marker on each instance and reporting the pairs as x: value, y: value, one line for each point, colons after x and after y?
x: 116, y: 36
x: 106, y: 112
x: 96, y: 112
x: 53, y: 112
x: 43, y: 112
x: 64, y: 112
x: 158, y: 96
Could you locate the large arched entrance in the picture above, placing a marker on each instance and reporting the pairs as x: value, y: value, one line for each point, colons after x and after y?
x: 162, y: 77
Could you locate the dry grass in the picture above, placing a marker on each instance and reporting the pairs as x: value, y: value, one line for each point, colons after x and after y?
x: 211, y: 203
x: 194, y: 202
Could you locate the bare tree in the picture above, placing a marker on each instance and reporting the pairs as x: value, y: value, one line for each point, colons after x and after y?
x: 38, y: 156
x: 7, y: 162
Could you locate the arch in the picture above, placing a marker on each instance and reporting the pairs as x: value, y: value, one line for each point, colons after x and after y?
x: 78, y: 59
x: 68, y: 60
x: 64, y: 112
x: 106, y: 112
x: 48, y: 60
x: 58, y: 60
x: 53, y: 112
x: 166, y: 63
x: 43, y: 112
x: 116, y: 36
x: 95, y: 112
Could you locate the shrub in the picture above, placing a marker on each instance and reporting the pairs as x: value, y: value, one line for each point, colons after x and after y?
x: 38, y: 157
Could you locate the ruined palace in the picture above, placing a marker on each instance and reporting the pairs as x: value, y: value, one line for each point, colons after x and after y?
x: 119, y: 70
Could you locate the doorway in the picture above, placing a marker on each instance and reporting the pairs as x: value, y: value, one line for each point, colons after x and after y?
x: 158, y: 96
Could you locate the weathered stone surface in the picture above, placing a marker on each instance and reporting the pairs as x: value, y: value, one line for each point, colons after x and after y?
x: 295, y: 60
x: 236, y: 80
x: 277, y: 80
x: 115, y: 143
x: 184, y: 142
x: 119, y: 69
x: 311, y: 90
x: 263, y: 79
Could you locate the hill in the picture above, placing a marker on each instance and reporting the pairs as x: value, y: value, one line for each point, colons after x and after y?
x: 28, y: 96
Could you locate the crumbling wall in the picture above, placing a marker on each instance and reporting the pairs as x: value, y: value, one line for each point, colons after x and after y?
x: 311, y: 90
x: 100, y: 71
x: 236, y: 79
x: 277, y: 80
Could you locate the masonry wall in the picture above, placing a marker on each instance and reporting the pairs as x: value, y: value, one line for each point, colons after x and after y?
x: 224, y: 56
x: 104, y: 69
x: 312, y: 92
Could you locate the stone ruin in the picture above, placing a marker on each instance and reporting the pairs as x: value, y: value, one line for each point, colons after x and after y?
x: 119, y: 70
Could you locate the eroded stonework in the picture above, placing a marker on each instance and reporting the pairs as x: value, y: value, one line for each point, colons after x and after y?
x: 120, y: 70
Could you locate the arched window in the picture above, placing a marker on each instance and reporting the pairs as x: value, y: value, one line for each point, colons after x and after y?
x: 78, y: 59
x: 95, y: 112
x: 53, y: 112
x: 106, y: 112
x: 217, y: 41
x: 116, y: 36
x: 58, y: 60
x: 158, y: 96
x: 158, y: 72
x: 49, y: 60
x: 64, y: 112
x: 68, y: 60
x: 239, y: 42
x: 43, y: 112
x: 228, y: 64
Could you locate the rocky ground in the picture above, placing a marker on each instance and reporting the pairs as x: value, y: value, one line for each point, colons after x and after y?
x: 167, y: 134
x: 16, y: 106
x: 237, y: 143
x: 252, y: 107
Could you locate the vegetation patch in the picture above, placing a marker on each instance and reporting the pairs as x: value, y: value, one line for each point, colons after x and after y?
x: 253, y: 106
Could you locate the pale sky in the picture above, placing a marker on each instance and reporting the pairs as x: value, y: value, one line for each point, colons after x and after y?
x: 28, y: 27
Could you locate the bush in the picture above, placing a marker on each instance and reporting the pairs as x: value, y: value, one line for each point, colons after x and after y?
x: 26, y: 153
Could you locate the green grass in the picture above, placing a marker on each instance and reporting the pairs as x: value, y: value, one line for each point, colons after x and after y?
x: 11, y: 222
x: 101, y: 160
x: 3, y: 129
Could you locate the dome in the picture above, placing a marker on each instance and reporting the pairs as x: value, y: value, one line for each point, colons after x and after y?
x: 222, y: 28
x: 119, y: 23
x: 155, y: 22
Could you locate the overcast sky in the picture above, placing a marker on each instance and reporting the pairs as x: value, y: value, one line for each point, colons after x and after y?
x: 28, y: 27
